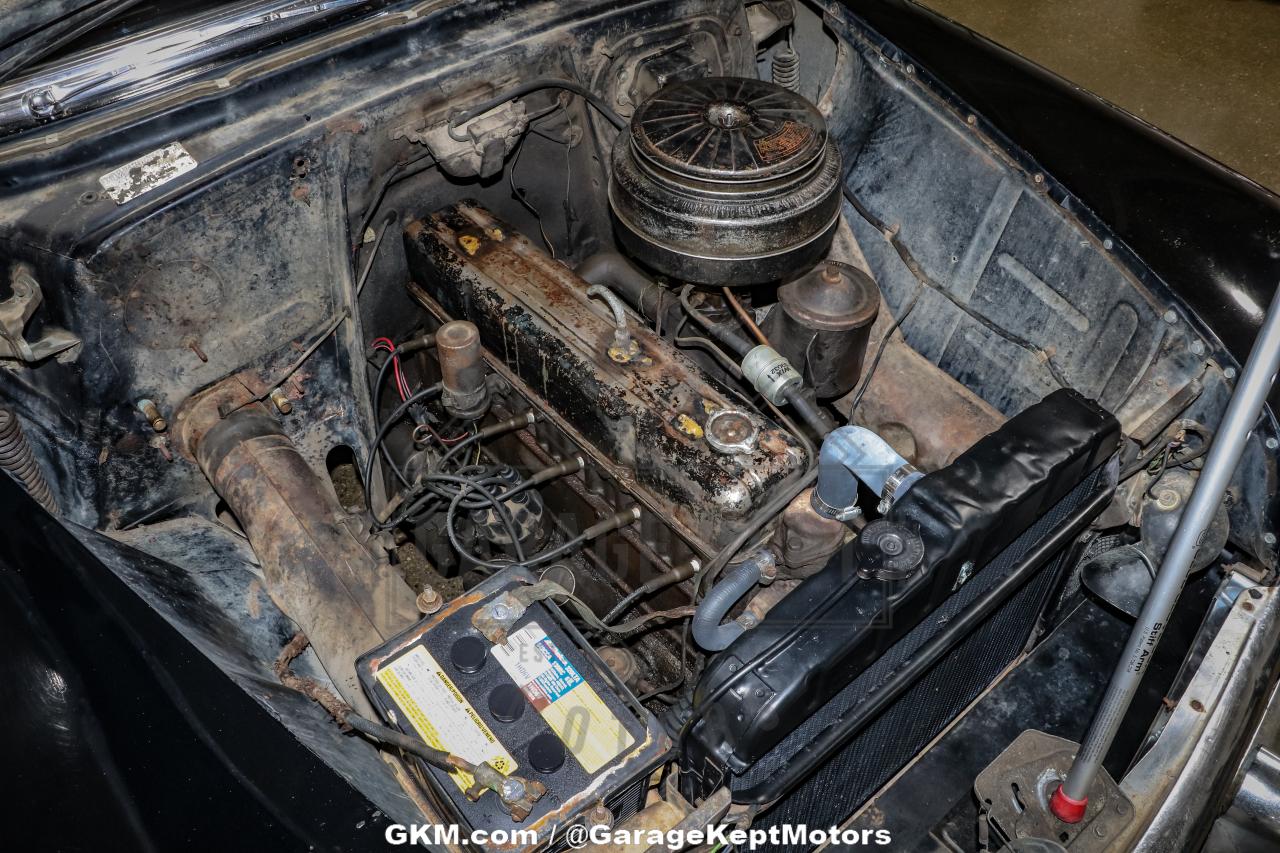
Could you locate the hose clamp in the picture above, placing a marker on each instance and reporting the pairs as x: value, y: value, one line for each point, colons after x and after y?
x: 826, y: 510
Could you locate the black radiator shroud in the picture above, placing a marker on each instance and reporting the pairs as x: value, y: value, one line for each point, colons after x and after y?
x: 1007, y: 506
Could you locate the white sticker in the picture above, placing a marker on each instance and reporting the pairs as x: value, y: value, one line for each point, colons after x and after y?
x: 565, y: 700
x: 441, y: 714
x: 147, y: 172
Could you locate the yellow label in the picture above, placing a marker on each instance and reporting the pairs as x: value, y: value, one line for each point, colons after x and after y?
x: 570, y: 706
x: 441, y: 714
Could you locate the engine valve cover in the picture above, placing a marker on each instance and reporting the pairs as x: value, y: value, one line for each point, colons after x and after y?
x: 644, y: 416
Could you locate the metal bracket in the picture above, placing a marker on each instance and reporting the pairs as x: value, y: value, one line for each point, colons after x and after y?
x: 1014, y: 791
x: 16, y: 311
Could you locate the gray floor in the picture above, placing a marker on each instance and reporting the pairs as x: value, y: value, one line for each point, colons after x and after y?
x: 1205, y: 71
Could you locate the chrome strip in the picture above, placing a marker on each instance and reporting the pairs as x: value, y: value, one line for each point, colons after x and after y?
x: 146, y: 61
x: 1179, y: 786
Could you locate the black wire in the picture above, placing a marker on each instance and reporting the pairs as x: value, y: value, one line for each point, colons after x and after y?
x: 534, y: 86
x: 498, y: 506
x: 418, y: 397
x: 414, y: 508
x: 409, y: 743
x: 884, y: 342
x: 395, y: 173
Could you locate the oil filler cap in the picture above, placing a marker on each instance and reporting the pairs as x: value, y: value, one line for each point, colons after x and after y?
x: 888, y: 551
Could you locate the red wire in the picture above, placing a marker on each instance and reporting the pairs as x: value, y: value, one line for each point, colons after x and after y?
x: 402, y: 386
x: 386, y: 345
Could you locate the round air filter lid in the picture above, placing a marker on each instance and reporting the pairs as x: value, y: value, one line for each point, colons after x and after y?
x: 728, y: 129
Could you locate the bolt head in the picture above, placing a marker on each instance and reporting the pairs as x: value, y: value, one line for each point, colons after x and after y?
x: 429, y: 601
x: 1170, y: 316
x: 512, y: 789
x: 1269, y: 539
x: 1272, y: 443
x: 600, y: 815
x: 1229, y: 373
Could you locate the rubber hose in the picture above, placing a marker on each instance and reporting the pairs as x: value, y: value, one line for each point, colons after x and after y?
x: 707, y: 629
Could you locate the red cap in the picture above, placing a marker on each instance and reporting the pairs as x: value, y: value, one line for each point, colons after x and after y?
x: 1067, y: 809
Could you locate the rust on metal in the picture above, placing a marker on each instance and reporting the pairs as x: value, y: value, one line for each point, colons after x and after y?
x: 309, y: 687
x: 637, y: 419
x: 942, y: 415
x: 345, y: 598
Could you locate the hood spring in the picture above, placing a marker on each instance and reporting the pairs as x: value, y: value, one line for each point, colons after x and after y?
x: 16, y: 458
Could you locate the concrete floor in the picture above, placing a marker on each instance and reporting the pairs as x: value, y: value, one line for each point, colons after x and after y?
x: 1205, y: 71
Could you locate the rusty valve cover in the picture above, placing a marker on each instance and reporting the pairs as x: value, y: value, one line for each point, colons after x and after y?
x: 646, y: 415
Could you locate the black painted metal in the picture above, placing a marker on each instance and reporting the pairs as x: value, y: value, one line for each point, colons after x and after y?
x: 113, y: 716
x: 1211, y: 234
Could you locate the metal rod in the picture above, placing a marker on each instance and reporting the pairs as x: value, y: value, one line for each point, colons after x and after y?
x: 1070, y: 800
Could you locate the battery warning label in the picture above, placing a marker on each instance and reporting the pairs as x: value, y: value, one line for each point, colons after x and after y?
x: 441, y: 714
x: 568, y: 703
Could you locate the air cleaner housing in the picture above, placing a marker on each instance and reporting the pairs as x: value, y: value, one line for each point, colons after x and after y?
x: 726, y: 181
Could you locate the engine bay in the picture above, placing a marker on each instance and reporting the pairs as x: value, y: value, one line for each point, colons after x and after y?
x: 678, y: 410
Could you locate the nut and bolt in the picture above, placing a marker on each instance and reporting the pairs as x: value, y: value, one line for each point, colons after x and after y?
x: 1197, y: 347
x: 429, y: 601
x: 600, y: 815
x: 151, y: 412
x: 281, y: 402
x: 1170, y: 316
x: 1269, y: 539
x: 748, y: 620
x: 1229, y: 373
x: 512, y: 789
x: 1272, y: 443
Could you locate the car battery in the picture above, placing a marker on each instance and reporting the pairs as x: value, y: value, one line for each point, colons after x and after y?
x: 541, y: 706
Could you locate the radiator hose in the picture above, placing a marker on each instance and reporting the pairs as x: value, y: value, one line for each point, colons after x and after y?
x: 851, y: 454
x: 708, y: 631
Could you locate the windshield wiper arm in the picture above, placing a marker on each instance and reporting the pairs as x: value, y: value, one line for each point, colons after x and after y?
x: 26, y: 52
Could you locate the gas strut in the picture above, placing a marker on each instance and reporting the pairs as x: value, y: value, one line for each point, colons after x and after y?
x: 1070, y: 800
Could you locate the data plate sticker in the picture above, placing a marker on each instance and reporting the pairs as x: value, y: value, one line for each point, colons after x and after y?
x: 441, y: 714
x: 565, y: 700
x: 147, y: 172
